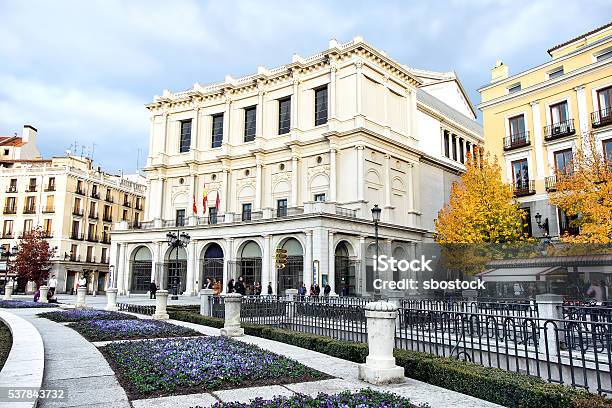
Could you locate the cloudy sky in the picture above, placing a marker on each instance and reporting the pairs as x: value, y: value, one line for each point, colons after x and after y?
x: 82, y: 70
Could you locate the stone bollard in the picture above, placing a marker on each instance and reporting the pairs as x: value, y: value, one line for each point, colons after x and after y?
x: 549, y: 308
x: 44, y: 291
x: 80, y: 298
x: 8, y: 290
x: 111, y: 299
x: 380, y: 367
x: 161, y: 301
x: 206, y: 297
x: 231, y: 327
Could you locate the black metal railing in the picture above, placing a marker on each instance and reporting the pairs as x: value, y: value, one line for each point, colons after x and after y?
x: 95, y: 194
x: 550, y: 183
x: 92, y: 237
x: 560, y: 129
x: 523, y: 188
x: 29, y: 210
x: 516, y: 140
x: 140, y: 309
x: 93, y: 215
x: 11, y: 189
x: 77, y: 236
x: 107, y: 218
x: 77, y: 211
x: 31, y: 188
x: 10, y: 210
x: 601, y: 117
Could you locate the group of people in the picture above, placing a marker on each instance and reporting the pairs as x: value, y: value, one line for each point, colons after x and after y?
x: 247, y: 289
x: 51, y: 284
x: 315, y: 290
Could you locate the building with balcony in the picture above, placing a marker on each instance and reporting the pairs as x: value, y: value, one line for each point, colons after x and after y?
x: 294, y: 158
x: 534, y: 120
x: 62, y: 196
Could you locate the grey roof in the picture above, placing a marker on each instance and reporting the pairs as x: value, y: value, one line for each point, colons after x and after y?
x: 448, y: 111
x: 575, y: 260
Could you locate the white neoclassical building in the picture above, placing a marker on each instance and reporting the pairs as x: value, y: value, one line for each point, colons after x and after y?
x: 295, y: 157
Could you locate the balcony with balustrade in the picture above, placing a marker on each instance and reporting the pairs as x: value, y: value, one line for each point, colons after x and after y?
x: 516, y: 141
x: 559, y: 130
x: 601, y: 118
x: 524, y: 188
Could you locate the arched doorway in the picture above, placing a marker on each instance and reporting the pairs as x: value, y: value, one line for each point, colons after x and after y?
x: 291, y: 276
x: 398, y: 254
x: 344, y: 268
x: 141, y: 264
x: 249, y: 264
x: 175, y: 270
x: 212, y: 264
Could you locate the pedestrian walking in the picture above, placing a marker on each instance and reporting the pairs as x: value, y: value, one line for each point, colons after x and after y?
x: 153, y: 290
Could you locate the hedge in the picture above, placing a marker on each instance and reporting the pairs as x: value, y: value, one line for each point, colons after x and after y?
x: 495, y: 385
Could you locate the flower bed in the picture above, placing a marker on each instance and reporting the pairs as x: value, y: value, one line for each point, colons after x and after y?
x: 6, y: 342
x: 182, y: 366
x: 362, y: 399
x: 106, y: 330
x: 23, y: 304
x: 75, y: 315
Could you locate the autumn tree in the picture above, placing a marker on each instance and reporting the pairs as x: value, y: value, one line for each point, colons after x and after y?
x: 584, y: 193
x: 32, y: 260
x: 481, y: 208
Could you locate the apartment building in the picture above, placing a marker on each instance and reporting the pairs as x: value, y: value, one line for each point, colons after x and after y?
x: 294, y: 158
x: 76, y: 205
x: 534, y: 120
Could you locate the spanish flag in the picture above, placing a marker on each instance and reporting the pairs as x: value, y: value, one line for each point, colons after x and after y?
x: 195, y: 206
x: 218, y: 201
x: 204, y: 199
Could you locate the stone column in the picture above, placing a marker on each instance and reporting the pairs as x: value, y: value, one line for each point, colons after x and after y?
x: 295, y: 177
x: 111, y: 299
x: 259, y: 115
x: 206, y: 296
x: 258, y: 185
x: 266, y: 266
x: 161, y: 301
x: 331, y: 268
x: 360, y: 175
x: 191, y: 269
x: 225, y: 199
x: 537, y: 139
x: 80, y: 298
x: 229, y: 257
x: 549, y: 308
x: 387, y: 188
x: 44, y: 291
x: 195, y: 129
x: 332, y: 92
x: 120, y: 270
x: 583, y: 112
x: 380, y: 367
x: 231, y: 327
x: 358, y: 69
x: 226, y: 120
x: 307, y: 274
x: 332, y: 174
x: 294, y: 104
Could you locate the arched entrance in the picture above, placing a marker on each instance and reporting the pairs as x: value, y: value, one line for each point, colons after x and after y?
x: 212, y: 264
x: 140, y: 266
x: 344, y: 268
x: 398, y: 254
x: 175, y: 270
x: 291, y: 276
x: 249, y: 263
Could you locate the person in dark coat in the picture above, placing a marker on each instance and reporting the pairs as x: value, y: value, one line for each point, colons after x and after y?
x: 270, y: 288
x: 152, y: 291
x: 230, y: 286
x: 327, y: 290
x: 317, y: 290
x: 239, y: 287
x: 208, y: 284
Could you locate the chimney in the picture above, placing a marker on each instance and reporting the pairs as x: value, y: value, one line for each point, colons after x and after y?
x: 29, y: 133
x: 499, y: 72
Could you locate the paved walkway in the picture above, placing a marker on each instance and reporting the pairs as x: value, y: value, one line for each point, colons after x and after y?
x: 73, y: 363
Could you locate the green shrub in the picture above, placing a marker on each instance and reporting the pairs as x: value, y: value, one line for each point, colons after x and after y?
x: 495, y: 385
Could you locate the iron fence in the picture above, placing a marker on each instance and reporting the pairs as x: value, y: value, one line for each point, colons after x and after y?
x: 140, y: 309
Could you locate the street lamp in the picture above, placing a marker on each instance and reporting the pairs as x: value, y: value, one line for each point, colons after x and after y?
x: 542, y: 225
x: 176, y: 241
x: 376, y: 218
x: 7, y: 254
x: 111, y: 269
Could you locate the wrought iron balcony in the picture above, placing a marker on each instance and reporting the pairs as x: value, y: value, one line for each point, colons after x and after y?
x: 93, y: 215
x: 77, y: 211
x: 550, y: 183
x: 8, y: 234
x: 601, y: 117
x: 48, y: 209
x: 516, y: 140
x: 31, y: 188
x: 11, y: 189
x: 79, y: 191
x: 107, y: 218
x: 127, y: 204
x: 109, y: 199
x: 561, y: 129
x: 92, y: 238
x: 106, y: 239
x: 524, y: 188
x: 29, y: 210
x: 47, y: 234
x: 50, y: 187
x: 10, y: 210
x: 95, y: 194
x: 77, y: 236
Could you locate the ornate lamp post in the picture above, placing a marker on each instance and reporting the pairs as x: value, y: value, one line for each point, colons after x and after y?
x: 376, y: 218
x: 543, y: 225
x: 176, y: 241
x: 7, y: 254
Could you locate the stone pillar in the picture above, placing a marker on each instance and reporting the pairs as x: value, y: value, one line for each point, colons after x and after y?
x: 44, y: 291
x: 111, y: 299
x: 307, y: 275
x: 191, y: 269
x: 259, y: 115
x: 332, y: 174
x: 266, y: 266
x: 258, y: 185
x: 228, y: 259
x: 121, y: 270
x: 331, y: 268
x: 231, y: 327
x: 360, y: 175
x: 294, y: 103
x: 225, y: 198
x: 194, y: 130
x: 332, y: 92
x: 537, y: 139
x: 295, y: 177
x: 206, y: 302
x: 8, y: 290
x: 380, y: 367
x: 387, y: 215
x: 161, y: 301
x: 549, y: 308
x: 583, y: 112
x: 80, y: 298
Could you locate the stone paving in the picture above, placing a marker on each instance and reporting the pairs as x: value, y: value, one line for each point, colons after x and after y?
x: 73, y: 363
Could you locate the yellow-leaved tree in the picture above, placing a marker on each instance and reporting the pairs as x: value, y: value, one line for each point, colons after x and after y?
x: 481, y: 208
x: 481, y: 221
x: 584, y: 192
